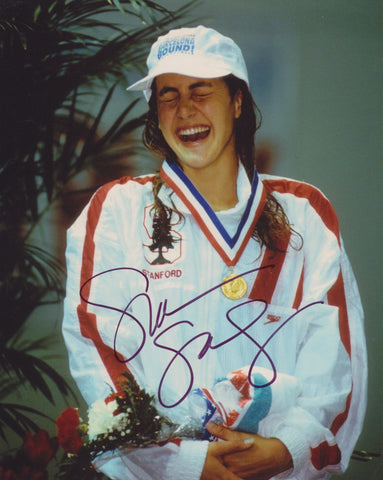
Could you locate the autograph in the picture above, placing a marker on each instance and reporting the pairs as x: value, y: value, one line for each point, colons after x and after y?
x: 157, y: 329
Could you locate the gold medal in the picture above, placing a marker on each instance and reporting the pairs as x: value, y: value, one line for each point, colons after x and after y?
x: 236, y: 288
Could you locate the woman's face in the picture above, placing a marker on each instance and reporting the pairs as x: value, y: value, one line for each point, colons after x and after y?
x: 196, y: 117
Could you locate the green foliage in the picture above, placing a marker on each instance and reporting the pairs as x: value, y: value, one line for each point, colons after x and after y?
x: 50, y: 53
x: 142, y: 427
x: 54, y: 54
x: 145, y: 422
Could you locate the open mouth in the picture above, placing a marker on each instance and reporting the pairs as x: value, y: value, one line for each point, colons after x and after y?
x: 193, y: 134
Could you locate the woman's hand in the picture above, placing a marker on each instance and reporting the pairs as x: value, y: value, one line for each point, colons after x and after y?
x: 264, y: 457
x: 214, y: 468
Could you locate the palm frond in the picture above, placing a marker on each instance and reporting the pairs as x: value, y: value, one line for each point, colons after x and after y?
x: 90, y: 139
x: 21, y: 342
x: 128, y: 127
x: 19, y: 298
x: 59, y: 58
x: 66, y: 147
x: 8, y: 386
x: 53, y: 55
x: 18, y: 418
x: 110, y: 135
x: 35, y: 372
x: 27, y: 267
x: 43, y: 266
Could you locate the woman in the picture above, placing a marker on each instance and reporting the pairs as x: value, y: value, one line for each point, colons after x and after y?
x: 210, y: 278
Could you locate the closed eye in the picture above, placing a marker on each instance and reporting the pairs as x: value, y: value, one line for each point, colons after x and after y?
x: 201, y: 95
x: 168, y: 98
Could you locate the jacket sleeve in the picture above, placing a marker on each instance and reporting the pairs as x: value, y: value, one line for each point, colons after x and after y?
x: 321, y: 429
x: 93, y: 249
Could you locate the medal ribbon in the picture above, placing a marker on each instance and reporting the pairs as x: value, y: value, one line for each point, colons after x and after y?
x: 229, y: 248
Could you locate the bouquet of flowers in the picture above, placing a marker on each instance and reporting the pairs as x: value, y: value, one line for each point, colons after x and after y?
x: 127, y: 419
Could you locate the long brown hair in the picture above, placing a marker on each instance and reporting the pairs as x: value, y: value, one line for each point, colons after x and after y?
x: 273, y: 227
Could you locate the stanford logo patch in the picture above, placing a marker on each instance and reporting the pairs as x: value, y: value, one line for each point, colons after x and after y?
x: 164, y: 243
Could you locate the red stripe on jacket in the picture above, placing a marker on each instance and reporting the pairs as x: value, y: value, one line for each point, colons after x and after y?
x: 317, y: 200
x: 268, y: 275
x: 88, y: 320
x: 324, y: 454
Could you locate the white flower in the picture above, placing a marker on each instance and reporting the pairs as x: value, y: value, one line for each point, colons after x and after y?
x: 101, y: 419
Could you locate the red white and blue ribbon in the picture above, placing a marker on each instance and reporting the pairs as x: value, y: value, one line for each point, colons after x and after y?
x: 230, y: 248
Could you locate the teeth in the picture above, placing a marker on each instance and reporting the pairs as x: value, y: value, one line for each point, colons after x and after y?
x: 194, y: 130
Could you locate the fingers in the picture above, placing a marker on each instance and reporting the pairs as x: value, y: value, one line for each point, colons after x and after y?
x: 218, y: 472
x: 223, y: 433
x: 221, y: 449
x: 214, y: 469
x: 233, y: 442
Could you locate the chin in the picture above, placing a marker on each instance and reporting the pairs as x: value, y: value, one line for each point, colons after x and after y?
x: 194, y: 163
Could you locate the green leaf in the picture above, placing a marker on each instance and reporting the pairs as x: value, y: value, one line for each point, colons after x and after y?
x: 37, y: 13
x: 118, y: 5
x: 91, y: 135
x: 149, y: 11
x: 56, y: 54
x: 109, y: 134
x: 17, y: 418
x: 34, y: 371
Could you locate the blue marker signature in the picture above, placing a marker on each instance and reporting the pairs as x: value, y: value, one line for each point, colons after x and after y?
x: 157, y: 328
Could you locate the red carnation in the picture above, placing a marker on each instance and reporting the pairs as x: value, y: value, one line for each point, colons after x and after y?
x: 67, y: 430
x: 39, y: 448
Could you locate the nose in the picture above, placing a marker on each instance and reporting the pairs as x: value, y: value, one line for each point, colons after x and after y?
x: 185, y: 107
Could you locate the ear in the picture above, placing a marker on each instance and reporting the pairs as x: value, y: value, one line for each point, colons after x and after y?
x: 238, y: 104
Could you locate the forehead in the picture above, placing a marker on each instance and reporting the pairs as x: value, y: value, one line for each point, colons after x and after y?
x: 177, y: 81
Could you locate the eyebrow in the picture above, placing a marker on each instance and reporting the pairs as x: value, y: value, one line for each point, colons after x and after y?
x: 201, y: 83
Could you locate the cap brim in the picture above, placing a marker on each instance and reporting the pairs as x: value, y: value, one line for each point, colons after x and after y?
x: 192, y: 67
x: 142, y: 84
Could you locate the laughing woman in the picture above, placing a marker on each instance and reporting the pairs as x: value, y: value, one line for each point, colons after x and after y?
x: 211, y: 280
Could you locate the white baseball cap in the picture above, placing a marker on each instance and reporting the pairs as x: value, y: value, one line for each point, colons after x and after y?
x: 195, y: 52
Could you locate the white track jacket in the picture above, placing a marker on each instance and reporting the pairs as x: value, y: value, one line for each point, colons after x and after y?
x: 159, y: 311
